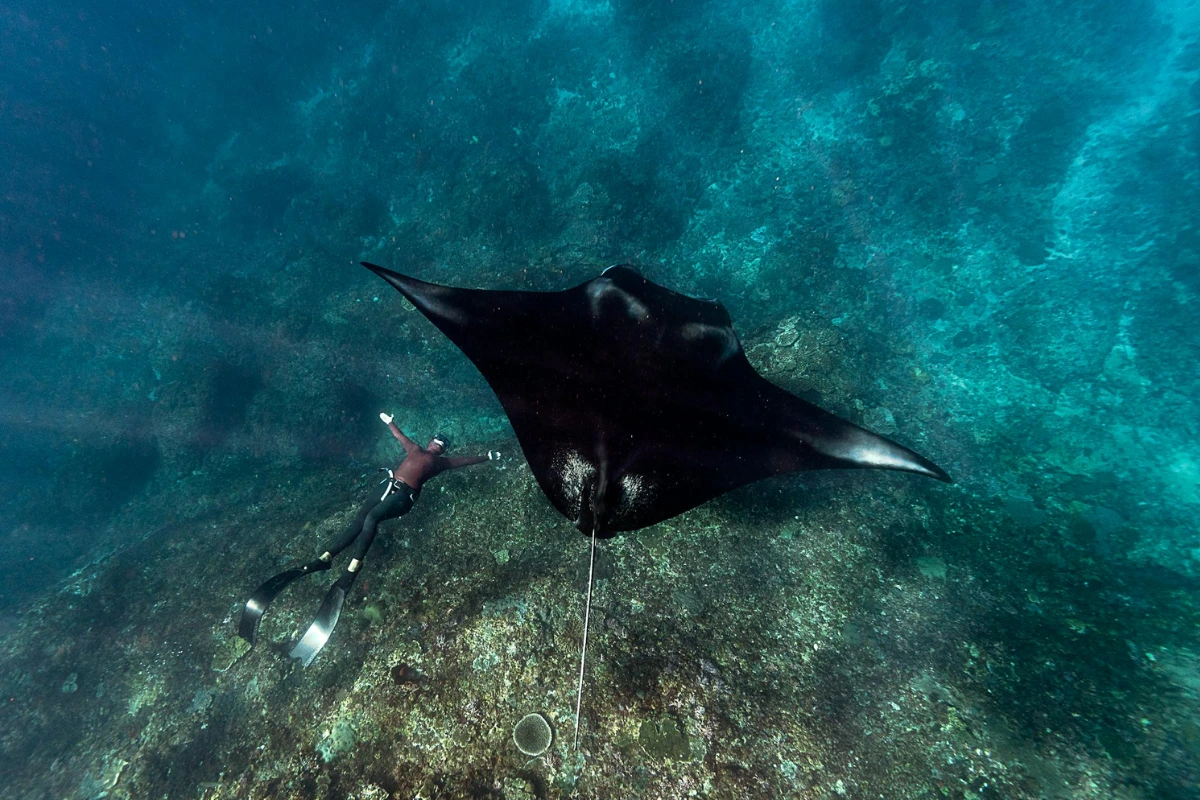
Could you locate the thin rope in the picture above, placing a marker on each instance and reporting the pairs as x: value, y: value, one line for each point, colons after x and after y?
x: 587, y: 612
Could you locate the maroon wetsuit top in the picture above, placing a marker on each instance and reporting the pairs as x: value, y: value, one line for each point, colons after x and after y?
x: 419, y: 464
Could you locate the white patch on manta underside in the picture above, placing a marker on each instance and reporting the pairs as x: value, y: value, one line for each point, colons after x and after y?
x: 574, y: 472
x: 636, y: 492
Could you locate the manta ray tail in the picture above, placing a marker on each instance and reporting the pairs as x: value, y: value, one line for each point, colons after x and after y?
x: 587, y: 613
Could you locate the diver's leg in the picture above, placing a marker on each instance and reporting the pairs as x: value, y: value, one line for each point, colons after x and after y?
x: 394, y: 505
x: 397, y: 504
x: 256, y: 606
x: 350, y: 532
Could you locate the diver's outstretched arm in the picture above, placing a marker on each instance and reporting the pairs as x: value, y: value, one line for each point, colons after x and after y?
x: 409, y: 444
x: 454, y: 462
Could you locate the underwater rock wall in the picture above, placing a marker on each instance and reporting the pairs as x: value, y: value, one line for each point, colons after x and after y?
x: 969, y: 226
x: 1003, y: 218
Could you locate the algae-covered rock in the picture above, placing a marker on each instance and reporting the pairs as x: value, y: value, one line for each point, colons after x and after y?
x: 98, y: 784
x: 369, y: 791
x: 568, y: 775
x: 932, y: 567
x: 340, y: 739
x: 228, y: 652
x: 662, y: 738
x: 881, y: 420
x: 518, y: 788
x: 201, y: 701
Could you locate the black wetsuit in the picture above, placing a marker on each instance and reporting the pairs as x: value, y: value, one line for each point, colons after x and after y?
x: 419, y: 465
x: 365, y: 524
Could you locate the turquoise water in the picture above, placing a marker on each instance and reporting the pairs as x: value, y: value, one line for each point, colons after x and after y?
x: 967, y: 226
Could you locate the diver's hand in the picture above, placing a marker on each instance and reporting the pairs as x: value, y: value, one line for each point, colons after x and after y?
x: 493, y: 455
x: 386, y: 417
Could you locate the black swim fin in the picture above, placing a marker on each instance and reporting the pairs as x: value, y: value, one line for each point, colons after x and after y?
x: 322, y: 626
x: 256, y: 606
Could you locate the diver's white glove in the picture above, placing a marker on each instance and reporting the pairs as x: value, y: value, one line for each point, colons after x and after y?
x: 386, y: 417
x: 493, y: 455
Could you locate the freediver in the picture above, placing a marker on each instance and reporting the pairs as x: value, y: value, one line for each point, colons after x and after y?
x: 404, y: 484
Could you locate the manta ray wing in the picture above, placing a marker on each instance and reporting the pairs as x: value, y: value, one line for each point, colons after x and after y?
x: 634, y: 403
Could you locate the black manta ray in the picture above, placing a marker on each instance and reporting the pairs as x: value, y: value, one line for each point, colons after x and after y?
x: 634, y: 403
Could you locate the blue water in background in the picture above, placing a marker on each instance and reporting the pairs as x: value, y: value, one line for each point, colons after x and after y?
x: 119, y: 122
x: 993, y: 204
